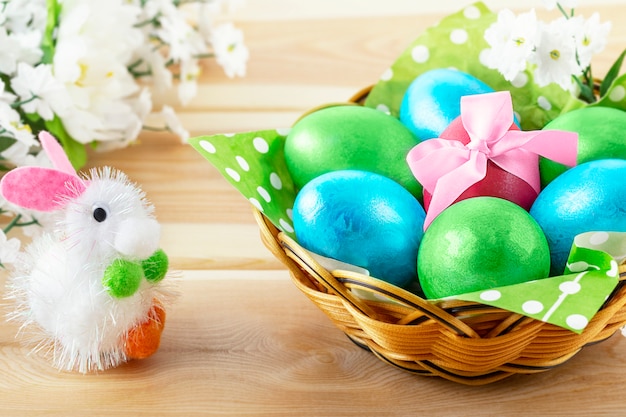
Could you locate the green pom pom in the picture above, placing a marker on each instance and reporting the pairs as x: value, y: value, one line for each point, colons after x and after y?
x: 122, y: 278
x: 155, y: 267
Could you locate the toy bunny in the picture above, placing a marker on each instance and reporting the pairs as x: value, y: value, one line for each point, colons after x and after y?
x: 92, y: 287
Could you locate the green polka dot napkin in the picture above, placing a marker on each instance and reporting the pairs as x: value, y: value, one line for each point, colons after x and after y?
x: 458, y: 42
x: 570, y: 300
x: 254, y: 163
x: 615, y: 96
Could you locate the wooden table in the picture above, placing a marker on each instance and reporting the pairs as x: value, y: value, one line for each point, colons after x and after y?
x: 241, y: 340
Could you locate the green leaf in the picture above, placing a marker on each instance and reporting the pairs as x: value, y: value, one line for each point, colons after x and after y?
x: 6, y: 142
x: 48, y: 41
x: 75, y: 151
x: 586, y: 92
x: 612, y: 74
x: 33, y: 118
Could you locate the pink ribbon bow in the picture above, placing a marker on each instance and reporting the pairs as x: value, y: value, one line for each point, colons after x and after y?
x: 446, y: 168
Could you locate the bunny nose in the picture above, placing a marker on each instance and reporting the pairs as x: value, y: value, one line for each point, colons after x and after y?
x: 138, y: 238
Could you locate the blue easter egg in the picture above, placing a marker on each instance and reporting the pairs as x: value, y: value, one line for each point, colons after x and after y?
x: 588, y: 197
x: 433, y: 100
x: 364, y: 219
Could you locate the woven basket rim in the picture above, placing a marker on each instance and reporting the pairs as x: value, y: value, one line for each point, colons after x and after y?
x: 473, y: 343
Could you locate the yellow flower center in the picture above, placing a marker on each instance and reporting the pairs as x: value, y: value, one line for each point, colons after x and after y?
x: 555, y: 54
x: 19, y: 126
x: 83, y: 74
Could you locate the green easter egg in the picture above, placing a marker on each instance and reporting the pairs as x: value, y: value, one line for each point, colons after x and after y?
x: 600, y: 136
x: 350, y: 137
x: 481, y: 243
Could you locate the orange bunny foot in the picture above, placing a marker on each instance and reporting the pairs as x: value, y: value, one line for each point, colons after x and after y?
x: 143, y: 340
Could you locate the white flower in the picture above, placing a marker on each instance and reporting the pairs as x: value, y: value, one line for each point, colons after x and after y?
x: 183, y: 41
x: 512, y: 40
x: 188, y: 85
x: 9, y: 53
x: 23, y: 15
x: 11, y: 124
x: 5, y: 95
x: 551, y: 4
x: 9, y: 249
x: 173, y: 124
x: 22, y: 23
x: 143, y: 105
x: 95, y: 44
x: 591, y: 37
x: 41, y: 92
x: 555, y: 56
x: 230, y: 51
x: 154, y: 64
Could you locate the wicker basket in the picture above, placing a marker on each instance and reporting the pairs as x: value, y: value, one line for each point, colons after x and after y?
x: 465, y: 342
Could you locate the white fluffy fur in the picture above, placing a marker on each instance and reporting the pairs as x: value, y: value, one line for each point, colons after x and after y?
x: 58, y: 287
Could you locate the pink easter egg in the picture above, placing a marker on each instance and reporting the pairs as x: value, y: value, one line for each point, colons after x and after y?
x: 497, y: 182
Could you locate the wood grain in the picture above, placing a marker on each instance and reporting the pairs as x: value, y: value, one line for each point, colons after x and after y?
x: 241, y: 340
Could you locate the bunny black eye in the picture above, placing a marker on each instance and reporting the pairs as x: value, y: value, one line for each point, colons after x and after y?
x: 99, y: 214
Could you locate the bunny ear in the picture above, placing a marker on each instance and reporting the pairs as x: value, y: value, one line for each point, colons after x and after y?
x: 56, y: 153
x: 41, y: 189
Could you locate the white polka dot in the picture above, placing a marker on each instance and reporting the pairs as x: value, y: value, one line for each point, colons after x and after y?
x: 576, y: 321
x: 242, y: 163
x: 485, y: 57
x: 618, y: 93
x: 260, y: 144
x: 285, y: 225
x: 579, y: 266
x: 233, y: 174
x: 256, y: 204
x: 383, y: 108
x: 569, y: 287
x: 289, y: 213
x: 207, y: 146
x: 532, y: 307
x: 283, y: 131
x: 229, y: 135
x: 420, y: 54
x: 598, y: 238
x: 387, y: 75
x: 471, y: 12
x: 544, y: 103
x: 459, y: 36
x: 520, y: 80
x: 276, y: 181
x: 490, y: 295
x: 263, y: 192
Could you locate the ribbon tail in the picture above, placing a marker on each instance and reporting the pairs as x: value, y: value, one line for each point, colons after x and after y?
x: 523, y: 164
x: 558, y: 145
x: 451, y: 185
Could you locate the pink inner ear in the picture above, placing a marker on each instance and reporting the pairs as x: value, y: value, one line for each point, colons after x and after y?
x: 41, y: 189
